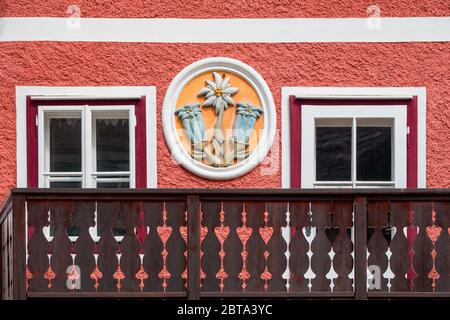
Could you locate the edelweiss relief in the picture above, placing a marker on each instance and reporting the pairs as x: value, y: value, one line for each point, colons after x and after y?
x: 218, y: 118
x: 220, y: 124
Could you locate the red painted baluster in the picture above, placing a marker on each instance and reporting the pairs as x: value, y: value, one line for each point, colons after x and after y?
x: 222, y: 233
x: 49, y: 275
x: 266, y: 233
x: 118, y: 275
x: 141, y: 231
x: 203, y: 233
x: 244, y: 234
x: 96, y: 275
x: 164, y: 233
x: 183, y: 232
x: 433, y: 233
x: 28, y: 276
x: 28, y: 273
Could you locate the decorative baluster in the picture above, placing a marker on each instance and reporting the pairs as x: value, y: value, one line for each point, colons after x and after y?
x: 309, y: 233
x: 84, y: 218
x: 118, y: 275
x: 164, y: 233
x: 141, y: 231
x: 298, y: 246
x: 411, y: 231
x: 73, y: 275
x: 342, y: 262
x: 244, y: 234
x: 331, y: 232
x: 266, y: 233
x: 203, y: 233
x: 49, y: 275
x: 399, y: 246
x: 369, y: 274
x: 141, y: 275
x: 351, y: 275
x: 433, y: 233
x: 321, y: 246
x: 377, y: 244
x: 389, y: 230
x: 222, y: 233
x: 28, y: 236
x: 28, y: 274
x: 184, y: 235
x: 61, y: 246
x: 286, y: 233
x: 96, y: 274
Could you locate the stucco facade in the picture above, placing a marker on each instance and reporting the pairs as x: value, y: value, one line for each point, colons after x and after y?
x: 416, y: 64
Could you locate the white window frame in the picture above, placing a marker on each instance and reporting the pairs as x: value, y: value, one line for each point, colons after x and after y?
x: 85, y: 93
x: 88, y: 115
x: 336, y: 93
x: 44, y: 115
x: 311, y: 114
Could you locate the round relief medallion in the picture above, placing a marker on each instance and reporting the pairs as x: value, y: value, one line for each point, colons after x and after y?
x: 219, y: 118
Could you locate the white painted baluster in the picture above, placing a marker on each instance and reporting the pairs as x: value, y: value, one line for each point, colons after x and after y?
x: 331, y: 275
x: 351, y: 275
x: 388, y: 274
x: 286, y: 233
x: 310, y: 234
x: 93, y: 231
x: 46, y: 229
x: 369, y: 274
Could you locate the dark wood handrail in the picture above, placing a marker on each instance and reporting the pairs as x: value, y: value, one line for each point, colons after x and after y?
x: 271, y: 194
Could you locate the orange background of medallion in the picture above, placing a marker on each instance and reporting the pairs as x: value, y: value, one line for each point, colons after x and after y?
x: 246, y: 93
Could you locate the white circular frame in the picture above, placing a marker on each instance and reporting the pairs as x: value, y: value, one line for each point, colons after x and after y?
x: 181, y: 155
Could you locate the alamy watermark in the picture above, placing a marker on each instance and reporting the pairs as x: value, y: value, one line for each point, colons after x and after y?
x: 374, y: 17
x: 73, y: 22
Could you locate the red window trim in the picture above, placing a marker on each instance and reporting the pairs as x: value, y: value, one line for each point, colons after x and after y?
x: 140, y: 134
x: 295, y: 108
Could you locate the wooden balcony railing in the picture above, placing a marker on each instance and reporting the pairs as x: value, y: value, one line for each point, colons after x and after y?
x: 225, y: 243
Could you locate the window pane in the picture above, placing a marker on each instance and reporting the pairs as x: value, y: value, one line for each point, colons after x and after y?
x: 333, y: 153
x: 65, y: 145
x: 65, y: 184
x: 113, y: 145
x: 373, y: 154
x: 113, y: 184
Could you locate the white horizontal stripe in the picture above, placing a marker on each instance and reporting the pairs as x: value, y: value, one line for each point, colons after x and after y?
x: 420, y: 29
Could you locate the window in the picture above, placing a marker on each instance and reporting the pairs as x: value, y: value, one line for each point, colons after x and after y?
x: 90, y: 137
x: 86, y: 146
x: 356, y: 151
x: 353, y: 137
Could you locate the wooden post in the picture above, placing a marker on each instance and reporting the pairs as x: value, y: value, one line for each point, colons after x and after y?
x: 360, y: 217
x: 19, y: 289
x: 193, y: 256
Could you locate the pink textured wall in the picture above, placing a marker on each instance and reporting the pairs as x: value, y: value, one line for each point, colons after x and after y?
x: 90, y: 64
x: 225, y: 9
